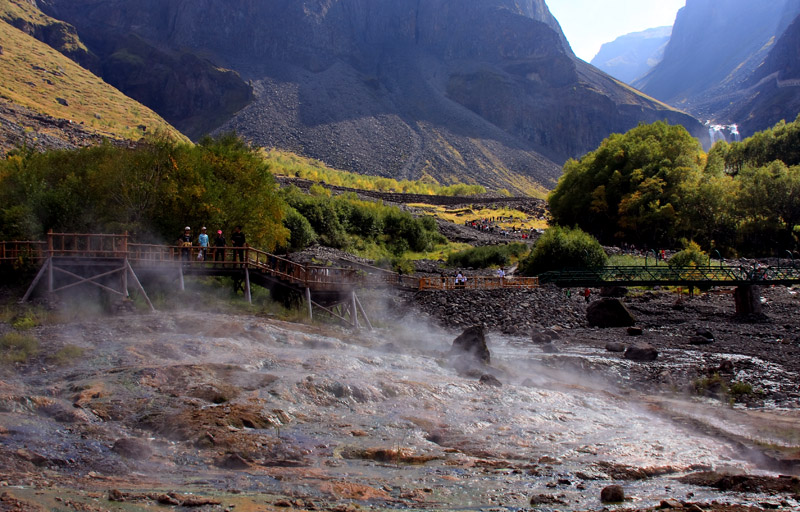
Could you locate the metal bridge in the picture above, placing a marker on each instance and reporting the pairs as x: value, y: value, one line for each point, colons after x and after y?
x: 664, y: 275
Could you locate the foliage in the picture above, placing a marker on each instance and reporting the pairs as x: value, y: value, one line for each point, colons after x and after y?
x: 288, y: 164
x: 301, y: 234
x: 16, y: 347
x: 25, y: 321
x: 691, y: 256
x: 487, y: 256
x: 151, y: 190
x: 67, y: 354
x: 630, y: 187
x: 561, y: 248
x: 343, y: 220
x: 653, y: 187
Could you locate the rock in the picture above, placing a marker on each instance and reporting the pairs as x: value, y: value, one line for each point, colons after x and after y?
x: 700, y: 340
x: 613, y: 291
x: 705, y: 333
x: 546, y: 499
x: 612, y: 494
x: 641, y: 352
x: 62, y: 101
x: 231, y: 461
x: 549, y: 348
x: 635, y: 331
x: 616, y: 346
x: 473, y: 342
x: 490, y: 380
x: 726, y: 366
x: 678, y: 305
x: 116, y: 495
x: 670, y: 503
x: 544, y: 336
x: 132, y: 448
x: 609, y: 313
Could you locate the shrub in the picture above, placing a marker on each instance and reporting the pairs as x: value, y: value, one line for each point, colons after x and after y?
x: 692, y: 256
x: 16, y: 347
x: 67, y: 354
x: 560, y: 248
x: 301, y: 234
x: 487, y: 256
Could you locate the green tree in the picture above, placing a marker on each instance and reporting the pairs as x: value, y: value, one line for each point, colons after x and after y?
x: 560, y: 248
x: 629, y: 189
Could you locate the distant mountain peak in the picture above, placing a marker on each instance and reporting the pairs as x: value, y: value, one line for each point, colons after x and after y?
x: 632, y: 55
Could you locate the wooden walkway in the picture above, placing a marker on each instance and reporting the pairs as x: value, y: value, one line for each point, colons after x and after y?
x: 66, y: 260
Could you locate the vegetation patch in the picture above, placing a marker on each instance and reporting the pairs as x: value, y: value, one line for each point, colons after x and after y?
x: 16, y: 347
x: 488, y: 256
x: 560, y: 248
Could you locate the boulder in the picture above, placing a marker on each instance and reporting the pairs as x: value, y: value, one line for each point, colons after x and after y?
x: 544, y: 336
x: 700, y: 340
x: 609, y: 313
x: 641, y: 352
x: 612, y: 494
x: 132, y: 448
x: 490, y: 380
x: 549, y: 348
x: 616, y: 346
x: 705, y: 333
x: 635, y: 331
x: 613, y: 291
x: 473, y: 342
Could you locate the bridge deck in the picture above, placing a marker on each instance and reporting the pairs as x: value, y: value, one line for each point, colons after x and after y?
x: 231, y: 261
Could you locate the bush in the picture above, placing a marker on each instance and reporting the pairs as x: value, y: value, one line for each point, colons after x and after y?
x: 67, y: 354
x: 560, y: 248
x: 16, y: 347
x: 487, y: 256
x: 692, y: 256
x: 301, y: 234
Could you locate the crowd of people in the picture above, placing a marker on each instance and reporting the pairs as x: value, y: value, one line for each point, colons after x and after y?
x: 187, y: 242
x: 492, y: 225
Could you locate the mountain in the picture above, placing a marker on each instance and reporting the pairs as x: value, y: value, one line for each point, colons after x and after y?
x: 630, y: 56
x: 717, y: 49
x: 772, y: 92
x: 48, y: 101
x: 484, y: 91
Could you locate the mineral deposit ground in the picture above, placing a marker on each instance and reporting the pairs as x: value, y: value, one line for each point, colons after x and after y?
x: 209, y: 410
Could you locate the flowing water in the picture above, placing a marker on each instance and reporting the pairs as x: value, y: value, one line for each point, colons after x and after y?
x: 378, y: 418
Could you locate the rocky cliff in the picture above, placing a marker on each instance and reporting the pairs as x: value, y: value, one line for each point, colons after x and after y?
x: 631, y: 56
x: 483, y: 91
x: 717, y: 49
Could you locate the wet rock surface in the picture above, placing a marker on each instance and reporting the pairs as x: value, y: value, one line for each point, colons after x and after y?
x: 233, y: 412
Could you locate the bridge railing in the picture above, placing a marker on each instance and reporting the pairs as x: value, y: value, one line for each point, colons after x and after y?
x: 22, y: 251
x: 477, y: 283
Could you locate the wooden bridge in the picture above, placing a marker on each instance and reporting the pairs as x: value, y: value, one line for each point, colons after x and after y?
x: 114, y: 264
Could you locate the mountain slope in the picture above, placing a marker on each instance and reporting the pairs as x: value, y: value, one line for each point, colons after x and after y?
x: 773, y: 92
x: 630, y: 56
x: 716, y: 50
x: 483, y: 91
x: 68, y: 99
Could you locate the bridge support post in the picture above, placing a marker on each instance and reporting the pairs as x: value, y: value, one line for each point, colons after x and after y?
x: 309, y: 303
x: 748, y: 300
x: 353, y: 310
x: 247, y: 285
x: 180, y: 278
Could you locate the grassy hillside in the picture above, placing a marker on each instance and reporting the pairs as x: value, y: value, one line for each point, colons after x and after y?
x: 42, y: 79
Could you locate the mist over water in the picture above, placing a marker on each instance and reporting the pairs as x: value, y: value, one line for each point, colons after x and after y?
x: 381, y: 411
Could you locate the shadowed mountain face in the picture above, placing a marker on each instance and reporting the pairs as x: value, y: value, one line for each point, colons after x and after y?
x: 630, y: 56
x: 469, y: 90
x: 718, y: 52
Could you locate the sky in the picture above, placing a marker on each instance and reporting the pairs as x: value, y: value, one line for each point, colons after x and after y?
x: 590, y: 23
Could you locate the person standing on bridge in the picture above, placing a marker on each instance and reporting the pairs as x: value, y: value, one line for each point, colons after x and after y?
x: 185, y: 242
x: 219, y: 246
x: 238, y: 241
x: 202, y: 241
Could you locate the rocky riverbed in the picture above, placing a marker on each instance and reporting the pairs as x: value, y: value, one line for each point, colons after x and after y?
x: 202, y: 410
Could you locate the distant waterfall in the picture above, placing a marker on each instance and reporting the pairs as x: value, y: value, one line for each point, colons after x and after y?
x: 728, y: 133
